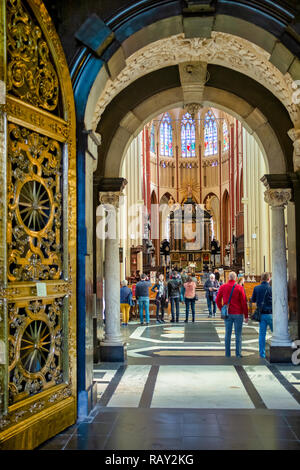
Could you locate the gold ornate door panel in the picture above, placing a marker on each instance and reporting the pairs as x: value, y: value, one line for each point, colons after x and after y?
x: 38, y: 230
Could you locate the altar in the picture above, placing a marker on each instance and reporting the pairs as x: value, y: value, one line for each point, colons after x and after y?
x: 190, y: 236
x: 184, y: 259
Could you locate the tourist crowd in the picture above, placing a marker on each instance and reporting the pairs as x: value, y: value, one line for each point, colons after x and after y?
x: 180, y: 287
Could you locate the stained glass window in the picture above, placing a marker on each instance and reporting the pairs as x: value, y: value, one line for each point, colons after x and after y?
x: 165, y: 136
x: 152, y: 139
x: 225, y: 137
x: 210, y: 135
x: 188, y: 139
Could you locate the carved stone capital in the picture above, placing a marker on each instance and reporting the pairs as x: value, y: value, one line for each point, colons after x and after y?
x: 278, y: 197
x: 110, y: 199
x: 294, y: 134
x: 193, y: 109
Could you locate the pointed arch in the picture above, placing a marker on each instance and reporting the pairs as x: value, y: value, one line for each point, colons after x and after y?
x: 166, y: 136
x: 212, y: 205
x: 226, y: 218
x: 188, y: 136
x: 210, y: 135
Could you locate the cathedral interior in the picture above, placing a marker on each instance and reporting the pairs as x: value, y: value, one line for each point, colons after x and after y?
x: 150, y: 138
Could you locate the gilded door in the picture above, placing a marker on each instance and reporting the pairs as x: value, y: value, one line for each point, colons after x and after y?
x: 37, y: 230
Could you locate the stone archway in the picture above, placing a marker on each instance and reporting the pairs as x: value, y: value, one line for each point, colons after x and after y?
x: 252, y: 118
x: 255, y: 121
x: 176, y: 71
x: 222, y: 49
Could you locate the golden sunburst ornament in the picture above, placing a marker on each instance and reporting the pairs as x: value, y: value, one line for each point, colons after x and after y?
x: 34, y: 205
x: 35, y: 346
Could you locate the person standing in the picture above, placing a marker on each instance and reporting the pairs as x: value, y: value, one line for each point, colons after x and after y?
x: 125, y: 301
x: 161, y: 297
x: 237, y: 310
x: 262, y: 296
x: 184, y: 277
x: 174, y: 290
x: 211, y: 287
x: 192, y: 275
x: 190, y: 298
x: 142, y: 296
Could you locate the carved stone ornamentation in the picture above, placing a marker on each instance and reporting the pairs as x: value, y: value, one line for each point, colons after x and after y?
x: 193, y: 109
x: 295, y: 136
x: 221, y: 49
x: 110, y: 199
x: 278, y: 197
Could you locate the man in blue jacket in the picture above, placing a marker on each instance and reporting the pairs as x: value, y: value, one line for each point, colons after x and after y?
x: 262, y: 296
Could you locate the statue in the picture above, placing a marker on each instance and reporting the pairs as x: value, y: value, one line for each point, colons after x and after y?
x: 208, y: 203
x: 189, y: 192
x: 171, y: 201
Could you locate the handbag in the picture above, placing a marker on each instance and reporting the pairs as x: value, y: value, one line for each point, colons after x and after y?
x: 257, y: 314
x: 224, y: 309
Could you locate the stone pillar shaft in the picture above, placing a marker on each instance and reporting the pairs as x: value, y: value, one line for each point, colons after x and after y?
x: 278, y: 198
x: 112, y: 347
x: 279, y: 280
x: 112, y: 293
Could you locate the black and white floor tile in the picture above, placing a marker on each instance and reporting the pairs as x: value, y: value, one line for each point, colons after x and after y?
x: 178, y: 391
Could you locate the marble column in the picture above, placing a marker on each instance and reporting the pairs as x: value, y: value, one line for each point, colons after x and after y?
x: 112, y: 348
x: 280, y: 348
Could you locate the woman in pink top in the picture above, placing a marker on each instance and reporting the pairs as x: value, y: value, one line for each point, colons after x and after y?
x: 189, y: 298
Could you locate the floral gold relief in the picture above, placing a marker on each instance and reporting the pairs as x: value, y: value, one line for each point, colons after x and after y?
x: 38, y: 227
x: 35, y: 347
x: 35, y: 206
x: 30, y: 72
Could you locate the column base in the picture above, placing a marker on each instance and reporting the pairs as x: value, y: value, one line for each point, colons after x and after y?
x: 280, y: 354
x: 113, y: 353
x: 86, y: 401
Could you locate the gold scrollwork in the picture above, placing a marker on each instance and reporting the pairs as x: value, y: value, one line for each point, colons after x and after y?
x: 35, y: 355
x: 35, y: 209
x: 30, y: 73
x: 39, y: 181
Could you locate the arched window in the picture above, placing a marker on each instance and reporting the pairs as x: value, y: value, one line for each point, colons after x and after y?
x: 225, y: 137
x: 165, y: 136
x: 152, y: 139
x: 188, y: 139
x: 210, y: 135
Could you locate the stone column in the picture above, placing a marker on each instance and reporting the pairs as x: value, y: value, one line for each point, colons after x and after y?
x: 112, y: 347
x: 280, y: 349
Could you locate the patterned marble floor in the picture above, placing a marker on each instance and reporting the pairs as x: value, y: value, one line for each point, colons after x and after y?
x: 178, y: 391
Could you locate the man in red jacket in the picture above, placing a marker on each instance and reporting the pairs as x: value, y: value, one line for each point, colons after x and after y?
x: 237, y: 310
